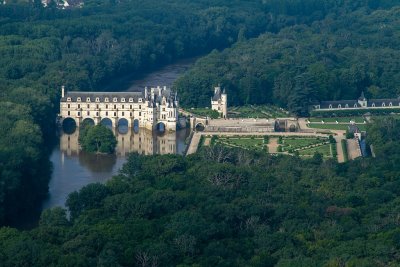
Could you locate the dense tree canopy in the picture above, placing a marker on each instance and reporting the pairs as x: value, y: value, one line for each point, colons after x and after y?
x: 225, y: 207
x: 335, y: 58
x: 97, y: 139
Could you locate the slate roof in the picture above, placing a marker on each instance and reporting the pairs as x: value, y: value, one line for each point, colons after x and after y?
x: 217, y: 94
x: 342, y: 103
x: 74, y: 95
x: 384, y: 102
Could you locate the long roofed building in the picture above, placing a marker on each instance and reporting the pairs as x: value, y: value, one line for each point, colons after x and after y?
x: 153, y: 108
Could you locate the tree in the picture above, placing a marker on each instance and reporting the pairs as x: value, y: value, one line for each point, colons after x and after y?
x: 98, y: 139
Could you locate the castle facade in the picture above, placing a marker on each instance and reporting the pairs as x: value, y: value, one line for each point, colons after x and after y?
x: 153, y: 108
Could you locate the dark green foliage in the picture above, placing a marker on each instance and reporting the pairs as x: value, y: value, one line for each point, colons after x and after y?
x: 225, y: 207
x: 337, y: 57
x: 97, y: 139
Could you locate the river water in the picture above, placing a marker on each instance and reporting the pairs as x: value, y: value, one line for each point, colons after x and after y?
x: 73, y: 169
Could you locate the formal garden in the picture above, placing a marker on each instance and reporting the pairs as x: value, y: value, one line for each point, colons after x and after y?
x: 261, y: 112
x: 293, y: 145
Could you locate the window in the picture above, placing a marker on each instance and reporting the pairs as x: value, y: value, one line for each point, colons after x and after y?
x: 339, y: 106
x: 69, y: 106
x: 97, y: 113
x: 78, y: 99
x: 122, y: 106
x: 390, y: 104
x: 355, y: 105
x: 106, y: 113
x: 69, y: 113
x: 68, y: 99
x: 130, y: 114
x: 130, y: 107
x: 87, y: 99
x: 131, y: 99
x: 373, y: 105
x: 97, y: 106
x: 115, y: 113
x: 383, y: 104
x: 330, y: 106
x: 106, y: 106
x: 347, y: 106
x: 88, y: 113
x: 106, y: 99
x: 140, y: 100
x: 115, y: 99
x: 79, y: 105
x: 115, y: 106
x: 122, y: 99
x: 123, y: 113
x: 79, y: 114
x: 88, y: 106
x: 140, y: 106
x: 97, y: 99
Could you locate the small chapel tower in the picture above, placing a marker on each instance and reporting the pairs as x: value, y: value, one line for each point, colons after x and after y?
x: 219, y: 102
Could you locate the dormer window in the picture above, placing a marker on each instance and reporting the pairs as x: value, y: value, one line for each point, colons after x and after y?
x: 390, y: 104
x: 68, y: 99
x: 115, y: 99
x: 373, y: 105
x: 97, y: 99
x: 383, y: 104
x: 106, y: 99
x: 87, y: 99
x: 122, y: 99
x: 131, y: 99
x: 355, y: 105
x: 140, y: 100
x: 347, y: 106
x: 330, y: 106
x: 339, y: 106
x: 79, y: 99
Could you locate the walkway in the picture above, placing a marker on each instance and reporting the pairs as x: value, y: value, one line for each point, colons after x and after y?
x: 194, y: 144
x: 353, y: 149
x: 273, y: 145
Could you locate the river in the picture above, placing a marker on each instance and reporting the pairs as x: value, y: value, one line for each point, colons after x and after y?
x: 73, y: 169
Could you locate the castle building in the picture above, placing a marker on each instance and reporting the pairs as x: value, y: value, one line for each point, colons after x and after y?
x: 219, y: 102
x: 152, y: 108
x: 361, y: 103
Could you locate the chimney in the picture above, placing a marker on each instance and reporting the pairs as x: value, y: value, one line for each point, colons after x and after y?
x: 62, y: 91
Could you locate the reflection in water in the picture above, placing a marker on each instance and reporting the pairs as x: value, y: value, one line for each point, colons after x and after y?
x: 142, y: 141
x: 74, y: 169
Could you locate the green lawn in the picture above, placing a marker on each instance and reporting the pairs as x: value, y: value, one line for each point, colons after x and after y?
x: 243, y: 142
x: 262, y: 112
x: 325, y: 150
x: 295, y: 143
x: 334, y: 126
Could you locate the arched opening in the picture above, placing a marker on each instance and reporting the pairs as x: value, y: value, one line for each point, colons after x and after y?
x: 160, y: 127
x: 199, y: 127
x: 123, y: 126
x: 136, y: 125
x: 292, y: 128
x: 87, y: 121
x: 106, y: 122
x: 69, y: 125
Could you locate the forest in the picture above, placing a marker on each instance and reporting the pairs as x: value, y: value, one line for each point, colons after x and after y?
x: 224, y: 207
x: 85, y: 49
x: 331, y: 59
x: 220, y: 207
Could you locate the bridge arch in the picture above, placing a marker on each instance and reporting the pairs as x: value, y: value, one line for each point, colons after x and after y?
x: 123, y: 126
x: 87, y: 121
x: 160, y: 127
x: 69, y: 125
x: 107, y: 122
x: 199, y: 127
